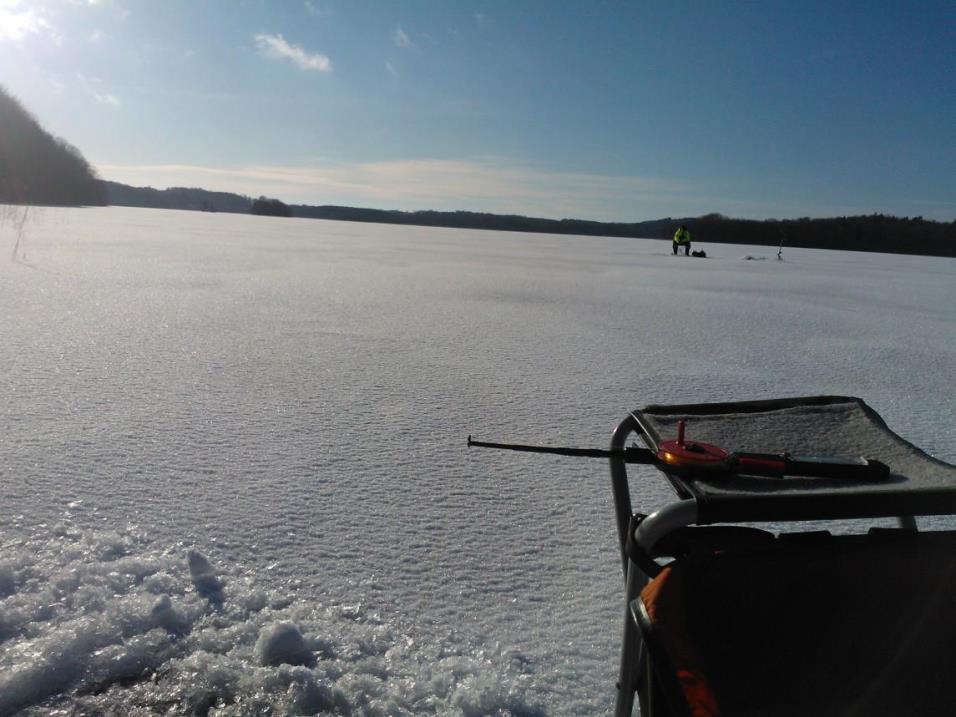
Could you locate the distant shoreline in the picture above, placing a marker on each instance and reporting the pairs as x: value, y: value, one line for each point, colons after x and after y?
x: 40, y: 169
x: 875, y: 232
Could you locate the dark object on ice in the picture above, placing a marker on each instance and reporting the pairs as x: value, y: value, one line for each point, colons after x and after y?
x: 700, y: 253
x: 733, y: 620
x: 204, y: 578
x: 283, y: 644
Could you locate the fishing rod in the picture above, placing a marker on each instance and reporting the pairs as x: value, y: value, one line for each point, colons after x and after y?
x: 632, y: 454
x: 688, y: 458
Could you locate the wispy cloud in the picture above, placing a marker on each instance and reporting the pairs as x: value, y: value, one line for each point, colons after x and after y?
x: 391, y: 69
x: 93, y: 86
x: 483, y: 185
x: 315, y: 10
x: 56, y: 84
x: 275, y: 47
x: 402, y: 40
x: 106, y: 99
x: 116, y: 6
x: 486, y: 184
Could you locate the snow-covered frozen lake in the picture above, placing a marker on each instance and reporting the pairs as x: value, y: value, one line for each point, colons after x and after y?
x: 228, y: 440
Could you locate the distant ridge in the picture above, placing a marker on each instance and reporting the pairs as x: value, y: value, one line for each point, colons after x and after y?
x: 38, y: 168
x: 875, y: 232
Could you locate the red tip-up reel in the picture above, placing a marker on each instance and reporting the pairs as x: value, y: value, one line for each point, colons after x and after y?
x: 688, y: 457
x: 683, y: 455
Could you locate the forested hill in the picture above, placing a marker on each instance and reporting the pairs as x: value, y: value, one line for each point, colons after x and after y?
x: 38, y: 168
x: 123, y: 195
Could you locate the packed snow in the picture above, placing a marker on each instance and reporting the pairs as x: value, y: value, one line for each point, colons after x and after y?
x: 233, y: 457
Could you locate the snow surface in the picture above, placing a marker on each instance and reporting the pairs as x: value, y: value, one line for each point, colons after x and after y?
x: 232, y: 449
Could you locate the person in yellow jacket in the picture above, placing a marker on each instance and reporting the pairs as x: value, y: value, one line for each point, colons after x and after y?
x: 682, y: 239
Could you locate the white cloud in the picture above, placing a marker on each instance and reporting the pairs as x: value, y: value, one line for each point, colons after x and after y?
x: 392, y: 70
x: 16, y: 21
x: 402, y: 40
x: 275, y: 47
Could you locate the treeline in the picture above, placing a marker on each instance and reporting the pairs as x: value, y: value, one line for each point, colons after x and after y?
x: 38, y: 168
x: 266, y: 207
x: 200, y: 200
x: 193, y: 199
x: 875, y: 232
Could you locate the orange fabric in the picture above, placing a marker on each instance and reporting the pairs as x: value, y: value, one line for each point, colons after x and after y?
x: 664, y: 600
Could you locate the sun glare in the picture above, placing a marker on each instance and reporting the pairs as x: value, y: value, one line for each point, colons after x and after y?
x: 17, y: 21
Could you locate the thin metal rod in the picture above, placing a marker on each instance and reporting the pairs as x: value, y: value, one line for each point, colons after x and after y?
x: 628, y: 455
x: 666, y: 520
x: 620, y: 486
x: 632, y: 654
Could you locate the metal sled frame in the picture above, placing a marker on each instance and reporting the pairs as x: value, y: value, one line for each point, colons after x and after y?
x: 639, y: 535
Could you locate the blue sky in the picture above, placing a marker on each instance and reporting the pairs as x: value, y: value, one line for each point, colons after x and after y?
x: 617, y: 111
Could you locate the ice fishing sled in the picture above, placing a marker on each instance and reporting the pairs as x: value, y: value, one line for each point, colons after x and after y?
x: 789, y: 575
x: 724, y: 618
